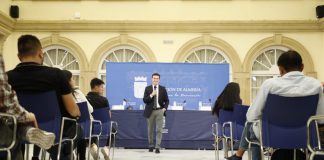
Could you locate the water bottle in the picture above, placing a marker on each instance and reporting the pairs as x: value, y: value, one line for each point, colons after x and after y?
x: 141, y: 107
x: 200, y: 104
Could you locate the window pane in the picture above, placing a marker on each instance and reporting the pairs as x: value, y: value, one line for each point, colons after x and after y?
x: 120, y: 54
x: 206, y: 55
x: 60, y: 57
x: 263, y: 67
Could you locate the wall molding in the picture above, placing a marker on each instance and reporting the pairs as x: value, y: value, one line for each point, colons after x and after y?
x: 9, y: 25
x: 6, y: 24
x: 170, y: 26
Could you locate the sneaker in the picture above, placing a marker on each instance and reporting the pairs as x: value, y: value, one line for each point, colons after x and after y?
x: 41, y: 138
x: 151, y: 149
x: 234, y: 157
x: 93, y: 151
x: 105, y: 152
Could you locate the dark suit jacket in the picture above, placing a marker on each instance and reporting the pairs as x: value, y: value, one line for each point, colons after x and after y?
x: 149, y: 102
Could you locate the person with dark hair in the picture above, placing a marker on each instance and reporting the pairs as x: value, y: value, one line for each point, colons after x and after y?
x: 76, y: 92
x: 156, y: 103
x: 292, y: 83
x: 27, y: 124
x: 97, y: 100
x: 226, y: 100
x: 78, y: 98
x: 31, y: 75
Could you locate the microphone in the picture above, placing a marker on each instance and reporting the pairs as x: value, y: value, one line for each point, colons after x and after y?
x: 154, y: 87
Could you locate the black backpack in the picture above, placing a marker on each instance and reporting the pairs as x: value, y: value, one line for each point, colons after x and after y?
x: 288, y: 154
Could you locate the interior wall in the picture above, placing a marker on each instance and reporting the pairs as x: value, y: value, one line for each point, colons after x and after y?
x: 241, y: 42
x: 169, y: 10
x: 4, y: 6
x: 165, y: 45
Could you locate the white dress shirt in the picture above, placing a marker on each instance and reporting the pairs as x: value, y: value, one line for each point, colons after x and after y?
x: 80, y: 97
x: 157, y: 96
x: 292, y: 84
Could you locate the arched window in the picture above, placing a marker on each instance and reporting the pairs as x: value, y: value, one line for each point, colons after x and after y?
x: 206, y: 54
x: 61, y: 57
x: 120, y: 54
x: 265, y: 67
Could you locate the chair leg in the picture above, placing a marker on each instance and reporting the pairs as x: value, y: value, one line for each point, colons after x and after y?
x: 216, y: 143
x: 261, y: 152
x: 249, y: 152
x: 114, y: 143
x: 27, y: 151
x: 98, y: 146
x: 307, y: 154
x: 225, y: 148
x: 43, y: 156
x: 71, y: 150
x: 8, y: 155
x: 232, y: 146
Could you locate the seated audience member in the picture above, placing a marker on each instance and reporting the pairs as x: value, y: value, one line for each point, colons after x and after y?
x: 98, y: 101
x: 32, y: 75
x: 26, y: 130
x: 229, y: 96
x: 226, y: 101
x: 292, y: 83
x: 80, y: 97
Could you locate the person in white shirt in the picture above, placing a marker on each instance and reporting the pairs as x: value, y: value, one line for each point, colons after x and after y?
x: 292, y: 83
x: 78, y: 98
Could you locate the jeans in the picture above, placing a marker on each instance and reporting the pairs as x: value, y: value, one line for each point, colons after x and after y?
x: 6, y: 138
x: 256, y: 150
x: 69, y: 132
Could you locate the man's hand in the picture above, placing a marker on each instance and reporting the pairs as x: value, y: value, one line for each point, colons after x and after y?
x: 32, y: 119
x: 153, y: 93
x: 163, y: 109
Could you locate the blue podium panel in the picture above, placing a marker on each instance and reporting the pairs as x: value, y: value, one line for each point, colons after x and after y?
x: 183, y: 129
x: 190, y: 85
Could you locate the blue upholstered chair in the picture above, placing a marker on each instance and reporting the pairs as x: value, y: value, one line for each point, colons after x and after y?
x: 219, y: 132
x: 46, y: 109
x: 102, y: 114
x: 314, y: 137
x: 235, y: 126
x: 6, y: 147
x: 88, y: 124
x: 284, y: 122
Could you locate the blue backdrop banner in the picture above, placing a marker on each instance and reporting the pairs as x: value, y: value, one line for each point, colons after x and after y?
x: 190, y: 85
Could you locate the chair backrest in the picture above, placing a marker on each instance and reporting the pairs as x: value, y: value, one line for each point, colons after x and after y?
x: 84, y: 119
x: 45, y: 107
x: 284, y: 120
x: 102, y: 114
x: 224, y: 116
x: 239, y: 115
x: 239, y: 119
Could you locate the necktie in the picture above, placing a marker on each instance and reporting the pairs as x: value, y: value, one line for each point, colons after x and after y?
x: 155, y: 100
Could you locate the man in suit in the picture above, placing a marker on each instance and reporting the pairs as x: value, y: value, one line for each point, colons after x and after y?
x: 156, y: 103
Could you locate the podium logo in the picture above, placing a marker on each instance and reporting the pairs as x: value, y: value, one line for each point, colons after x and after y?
x: 139, y: 86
